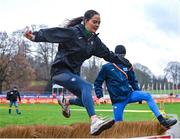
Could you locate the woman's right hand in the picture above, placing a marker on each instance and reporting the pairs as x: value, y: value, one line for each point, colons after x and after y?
x: 29, y: 35
x: 124, y: 61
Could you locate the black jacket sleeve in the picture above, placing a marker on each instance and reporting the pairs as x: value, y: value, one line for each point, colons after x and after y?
x: 103, y: 52
x: 7, y: 95
x: 18, y: 94
x: 99, y: 82
x: 132, y: 79
x: 54, y: 35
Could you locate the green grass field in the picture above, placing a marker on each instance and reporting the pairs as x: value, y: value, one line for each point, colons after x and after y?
x: 164, y: 91
x: 50, y: 114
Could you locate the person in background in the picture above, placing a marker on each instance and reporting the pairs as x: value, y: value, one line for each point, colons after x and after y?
x: 12, y: 97
x: 77, y: 41
x: 123, y: 89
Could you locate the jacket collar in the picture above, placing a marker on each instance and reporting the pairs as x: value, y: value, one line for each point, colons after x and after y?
x: 82, y: 29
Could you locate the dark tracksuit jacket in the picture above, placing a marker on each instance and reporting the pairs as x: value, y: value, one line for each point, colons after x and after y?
x: 119, y: 87
x: 13, y: 95
x: 74, y: 48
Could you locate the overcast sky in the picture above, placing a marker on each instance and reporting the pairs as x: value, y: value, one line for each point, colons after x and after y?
x: 150, y: 29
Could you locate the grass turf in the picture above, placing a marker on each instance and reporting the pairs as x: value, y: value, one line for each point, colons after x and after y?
x: 50, y: 114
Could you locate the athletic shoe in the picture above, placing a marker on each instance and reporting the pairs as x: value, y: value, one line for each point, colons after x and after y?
x: 167, y: 123
x: 100, y: 125
x: 9, y: 111
x: 65, y: 107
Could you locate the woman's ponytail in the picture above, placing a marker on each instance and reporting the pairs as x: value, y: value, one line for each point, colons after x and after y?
x: 74, y: 21
x: 87, y: 16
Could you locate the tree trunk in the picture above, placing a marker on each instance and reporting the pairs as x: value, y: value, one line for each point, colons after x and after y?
x: 1, y: 87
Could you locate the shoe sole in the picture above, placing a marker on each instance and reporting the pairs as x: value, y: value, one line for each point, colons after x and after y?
x: 67, y: 115
x: 104, y: 127
x: 171, y: 124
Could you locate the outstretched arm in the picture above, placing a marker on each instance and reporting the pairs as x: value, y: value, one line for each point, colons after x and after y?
x: 52, y: 35
x: 103, y: 52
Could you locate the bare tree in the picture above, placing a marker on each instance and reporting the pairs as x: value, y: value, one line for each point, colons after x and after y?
x: 172, y: 72
x: 143, y: 74
x: 44, y: 55
x: 89, y: 71
x: 22, y: 43
x: 14, y: 66
x: 143, y: 78
x: 21, y: 72
x: 7, y: 51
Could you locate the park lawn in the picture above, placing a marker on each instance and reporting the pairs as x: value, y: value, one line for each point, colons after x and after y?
x: 50, y: 114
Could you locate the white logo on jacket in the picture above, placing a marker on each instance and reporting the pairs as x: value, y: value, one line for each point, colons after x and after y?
x: 73, y: 79
x: 92, y: 42
x: 125, y: 69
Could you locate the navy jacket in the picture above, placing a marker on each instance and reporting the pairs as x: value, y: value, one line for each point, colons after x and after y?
x: 119, y: 87
x: 75, y: 47
x: 13, y: 95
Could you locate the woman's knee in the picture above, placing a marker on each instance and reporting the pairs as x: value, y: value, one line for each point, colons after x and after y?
x: 61, y: 79
x: 87, y: 86
x: 148, y: 96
